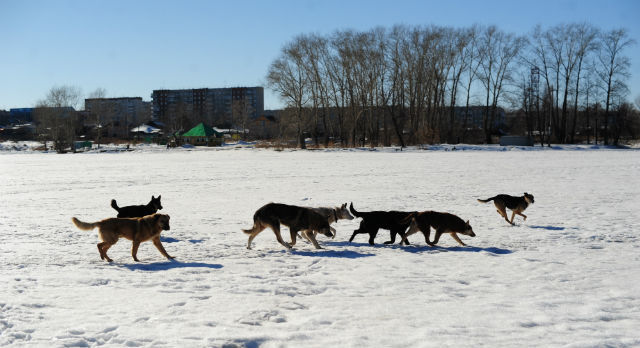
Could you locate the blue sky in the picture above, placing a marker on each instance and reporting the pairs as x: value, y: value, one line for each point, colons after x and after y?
x: 131, y: 48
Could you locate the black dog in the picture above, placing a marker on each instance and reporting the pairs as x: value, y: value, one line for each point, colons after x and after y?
x: 394, y: 221
x: 134, y: 211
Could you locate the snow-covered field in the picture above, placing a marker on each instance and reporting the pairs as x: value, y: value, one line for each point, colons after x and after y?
x: 568, y: 276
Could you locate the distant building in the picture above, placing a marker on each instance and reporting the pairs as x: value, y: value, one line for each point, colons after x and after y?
x: 117, y: 115
x: 20, y: 115
x: 265, y: 126
x: 203, y: 135
x: 222, y: 107
x: 5, y: 116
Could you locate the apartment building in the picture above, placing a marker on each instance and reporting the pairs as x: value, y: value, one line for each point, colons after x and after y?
x: 221, y: 107
x: 117, y: 115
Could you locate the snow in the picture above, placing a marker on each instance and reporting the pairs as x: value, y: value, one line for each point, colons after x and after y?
x: 567, y: 276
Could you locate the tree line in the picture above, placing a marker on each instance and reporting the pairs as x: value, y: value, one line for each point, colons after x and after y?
x: 419, y: 84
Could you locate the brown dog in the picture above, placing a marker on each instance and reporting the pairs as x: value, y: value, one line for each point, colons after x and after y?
x: 441, y: 222
x: 302, y: 219
x: 137, y: 230
x: 516, y: 204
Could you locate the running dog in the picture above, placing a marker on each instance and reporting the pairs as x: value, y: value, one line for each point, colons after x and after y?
x: 394, y: 221
x: 133, y: 211
x: 516, y: 204
x: 441, y: 222
x: 137, y: 230
x: 296, y: 218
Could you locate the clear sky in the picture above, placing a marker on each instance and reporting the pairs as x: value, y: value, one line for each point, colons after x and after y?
x: 132, y: 47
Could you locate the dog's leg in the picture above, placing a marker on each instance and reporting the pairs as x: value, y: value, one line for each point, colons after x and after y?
x: 254, y: 232
x: 455, y: 236
x: 502, y: 210
x: 439, y: 232
x: 523, y: 216
x: 134, y: 250
x: 106, y: 247
x: 392, y: 234
x: 413, y: 228
x: 306, y: 237
x: 276, y: 230
x: 333, y: 231
x: 513, y: 214
x: 426, y: 231
x: 158, y: 244
x: 294, y: 234
x: 358, y: 231
x: 503, y: 213
x: 372, y: 236
x: 406, y: 241
x: 100, y: 250
x: 310, y: 236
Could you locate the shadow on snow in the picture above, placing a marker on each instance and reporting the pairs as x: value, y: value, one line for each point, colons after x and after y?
x: 347, y: 254
x: 173, y: 240
x: 163, y: 266
x: 413, y: 248
x: 425, y: 248
x: 550, y: 228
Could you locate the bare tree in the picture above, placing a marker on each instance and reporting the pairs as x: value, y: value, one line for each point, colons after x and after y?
x: 586, y: 43
x: 613, y: 69
x: 361, y: 85
x: 287, y: 76
x: 499, y: 52
x: 242, y: 111
x: 56, y: 116
x: 472, y: 57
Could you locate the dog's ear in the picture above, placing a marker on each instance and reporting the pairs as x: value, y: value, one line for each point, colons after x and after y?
x: 467, y: 222
x: 158, y: 197
x: 344, y: 206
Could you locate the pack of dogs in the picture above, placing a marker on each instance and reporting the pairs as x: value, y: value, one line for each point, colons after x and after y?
x: 141, y: 223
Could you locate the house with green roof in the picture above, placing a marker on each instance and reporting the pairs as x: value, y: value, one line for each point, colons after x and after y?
x: 202, y: 135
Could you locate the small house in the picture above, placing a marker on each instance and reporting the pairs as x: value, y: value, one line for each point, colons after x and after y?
x: 202, y: 135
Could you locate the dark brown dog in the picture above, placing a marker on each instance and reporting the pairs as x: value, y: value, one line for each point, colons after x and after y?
x: 442, y: 223
x: 296, y: 218
x: 516, y: 204
x: 137, y: 230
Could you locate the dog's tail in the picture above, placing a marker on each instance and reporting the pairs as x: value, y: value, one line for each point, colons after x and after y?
x: 409, y: 217
x: 84, y: 225
x: 114, y: 205
x: 486, y: 200
x: 257, y: 226
x: 353, y: 211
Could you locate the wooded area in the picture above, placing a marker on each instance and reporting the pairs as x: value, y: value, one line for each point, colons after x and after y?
x: 410, y: 85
